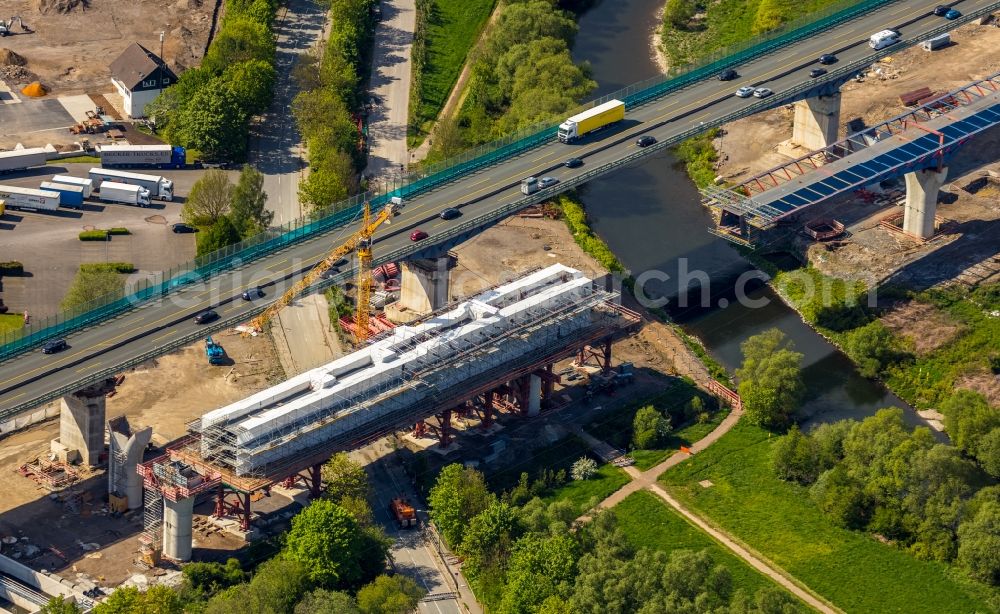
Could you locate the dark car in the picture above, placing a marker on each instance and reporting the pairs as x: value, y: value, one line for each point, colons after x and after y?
x: 330, y: 273
x: 341, y: 262
x: 253, y: 293
x: 181, y: 228
x: 817, y: 72
x: 450, y: 213
x: 205, y: 317
x: 645, y: 141
x: 952, y: 14
x: 941, y: 9
x: 418, y: 235
x: 573, y: 163
x: 728, y: 75
x: 827, y: 58
x: 56, y: 345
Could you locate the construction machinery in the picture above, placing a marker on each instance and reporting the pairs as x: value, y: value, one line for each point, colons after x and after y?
x: 7, y: 27
x: 403, y: 512
x: 361, y: 241
x: 216, y: 355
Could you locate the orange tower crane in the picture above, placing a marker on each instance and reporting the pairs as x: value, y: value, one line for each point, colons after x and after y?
x: 360, y: 241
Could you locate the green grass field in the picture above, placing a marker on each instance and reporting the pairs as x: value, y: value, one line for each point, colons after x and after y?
x: 452, y: 31
x: 850, y: 569
x: 10, y: 322
x: 648, y: 522
x: 608, y: 479
x: 76, y: 160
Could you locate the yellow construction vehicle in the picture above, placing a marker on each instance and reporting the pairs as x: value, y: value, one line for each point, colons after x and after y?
x: 360, y: 241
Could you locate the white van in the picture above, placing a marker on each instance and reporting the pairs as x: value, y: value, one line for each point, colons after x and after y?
x: 883, y: 39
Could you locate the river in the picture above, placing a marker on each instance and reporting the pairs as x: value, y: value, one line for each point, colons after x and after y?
x: 651, y: 217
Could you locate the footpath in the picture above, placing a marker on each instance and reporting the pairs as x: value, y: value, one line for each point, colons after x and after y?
x: 647, y: 480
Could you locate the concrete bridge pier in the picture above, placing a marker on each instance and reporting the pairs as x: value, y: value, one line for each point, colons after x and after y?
x: 920, y: 208
x: 81, y: 422
x: 816, y: 122
x: 178, y: 526
x: 424, y: 287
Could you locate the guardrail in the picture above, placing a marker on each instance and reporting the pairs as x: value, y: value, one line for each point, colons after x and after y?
x: 274, y: 240
x: 505, y: 210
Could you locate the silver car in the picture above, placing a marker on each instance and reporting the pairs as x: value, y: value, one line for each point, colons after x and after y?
x: 744, y: 92
x: 545, y: 182
x: 762, y: 92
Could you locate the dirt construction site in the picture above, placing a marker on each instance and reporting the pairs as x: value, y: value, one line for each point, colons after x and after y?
x: 71, y: 42
x: 71, y: 532
x: 965, y: 250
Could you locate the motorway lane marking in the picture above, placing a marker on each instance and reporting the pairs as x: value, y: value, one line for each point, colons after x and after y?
x: 96, y: 364
x: 539, y: 163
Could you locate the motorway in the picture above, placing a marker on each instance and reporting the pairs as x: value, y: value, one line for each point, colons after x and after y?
x: 34, y: 377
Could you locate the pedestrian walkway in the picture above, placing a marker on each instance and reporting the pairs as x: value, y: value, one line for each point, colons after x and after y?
x: 647, y: 480
x: 390, y: 88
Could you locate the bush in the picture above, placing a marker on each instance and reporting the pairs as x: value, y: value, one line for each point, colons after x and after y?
x: 795, y: 458
x: 649, y: 428
x: 872, y: 347
x: 699, y: 156
x: 583, y: 469
x: 12, y: 267
x: 118, y: 231
x: 95, y: 235
x: 115, y: 267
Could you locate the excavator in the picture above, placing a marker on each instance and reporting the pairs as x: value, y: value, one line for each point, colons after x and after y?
x: 360, y: 241
x: 7, y: 27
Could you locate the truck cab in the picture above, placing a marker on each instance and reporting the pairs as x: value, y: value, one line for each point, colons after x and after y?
x: 529, y: 185
x: 166, y: 189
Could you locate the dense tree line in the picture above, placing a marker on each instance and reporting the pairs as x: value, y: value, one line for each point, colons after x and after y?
x: 327, y: 108
x: 332, y: 561
x: 522, y: 558
x: 209, y: 108
x: 523, y: 74
x: 879, y: 476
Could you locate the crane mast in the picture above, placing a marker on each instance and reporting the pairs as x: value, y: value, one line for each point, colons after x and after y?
x: 360, y: 241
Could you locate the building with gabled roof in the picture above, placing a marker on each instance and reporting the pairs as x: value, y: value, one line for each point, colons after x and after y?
x: 140, y: 75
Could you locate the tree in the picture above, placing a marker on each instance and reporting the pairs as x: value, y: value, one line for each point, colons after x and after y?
x: 457, y: 496
x: 841, y: 497
x: 345, y: 478
x: 678, y: 13
x: 214, y: 123
x: 249, y: 203
x: 222, y: 234
x: 583, y: 469
x: 58, y: 605
x: 129, y: 600
x: 328, y: 183
x: 489, y: 537
x: 89, y: 285
x: 390, y: 595
x: 649, y: 428
x: 988, y: 453
x: 795, y: 458
x: 209, y: 578
x: 539, y: 567
x: 325, y: 539
x: 770, y: 379
x: 252, y: 84
x: 322, y: 601
x: 239, y: 41
x: 979, y: 543
x: 211, y: 198
x: 872, y: 347
x: 969, y: 419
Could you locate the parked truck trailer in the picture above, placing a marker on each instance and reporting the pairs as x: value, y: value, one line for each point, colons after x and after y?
x: 29, y: 199
x: 20, y: 159
x: 83, y: 182
x: 124, y: 193
x: 69, y: 195
x: 142, y: 156
x: 160, y: 188
x: 601, y: 116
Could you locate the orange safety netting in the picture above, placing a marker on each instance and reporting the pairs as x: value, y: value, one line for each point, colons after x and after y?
x: 35, y: 90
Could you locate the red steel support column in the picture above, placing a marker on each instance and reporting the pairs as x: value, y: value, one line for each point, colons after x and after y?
x: 220, y: 502
x: 607, y: 356
x: 487, y: 410
x: 445, y: 419
x: 245, y: 519
x: 315, y: 481
x: 548, y: 384
x: 420, y: 429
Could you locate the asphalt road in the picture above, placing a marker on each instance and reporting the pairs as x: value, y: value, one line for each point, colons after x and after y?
x: 32, y: 376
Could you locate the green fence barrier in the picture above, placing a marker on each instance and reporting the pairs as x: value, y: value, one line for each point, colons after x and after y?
x: 434, y: 175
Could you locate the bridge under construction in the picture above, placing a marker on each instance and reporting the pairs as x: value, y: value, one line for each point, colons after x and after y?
x: 497, y: 347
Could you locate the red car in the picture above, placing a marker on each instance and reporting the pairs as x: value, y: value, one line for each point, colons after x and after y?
x: 418, y: 235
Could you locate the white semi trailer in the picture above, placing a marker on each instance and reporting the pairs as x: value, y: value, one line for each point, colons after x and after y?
x: 160, y: 188
x: 20, y: 159
x: 124, y: 193
x: 83, y: 182
x: 30, y: 199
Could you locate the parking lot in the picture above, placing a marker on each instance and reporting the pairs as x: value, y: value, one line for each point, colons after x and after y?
x: 48, y: 245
